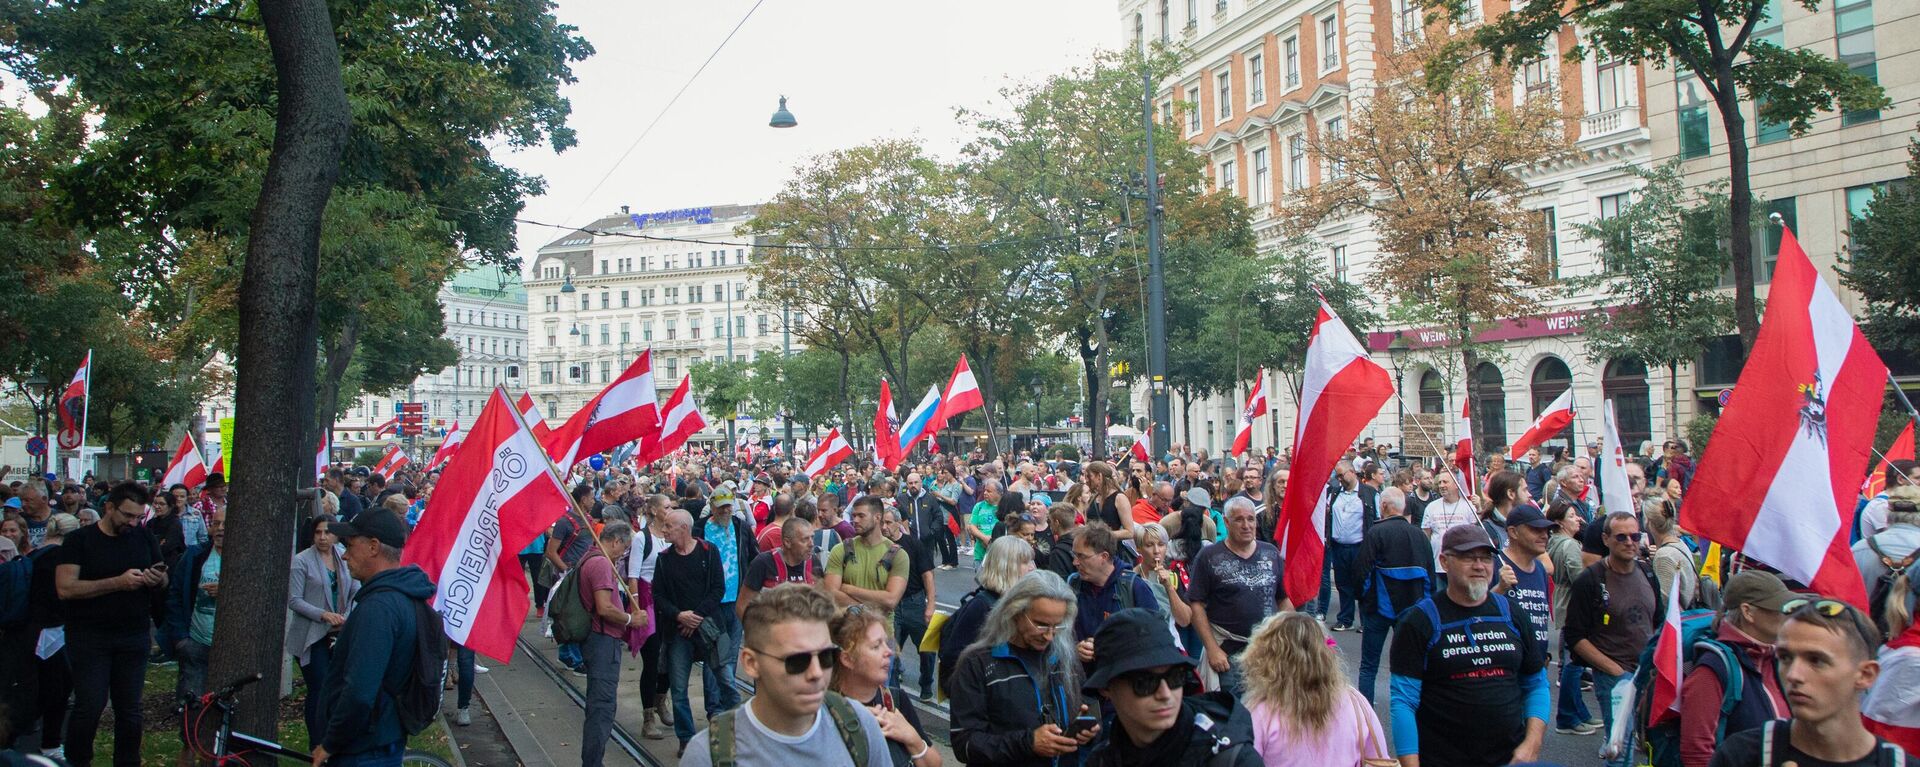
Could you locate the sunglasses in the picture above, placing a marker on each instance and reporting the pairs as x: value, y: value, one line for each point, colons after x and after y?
x: 1827, y: 607
x: 797, y: 663
x: 1146, y: 682
x: 1626, y: 537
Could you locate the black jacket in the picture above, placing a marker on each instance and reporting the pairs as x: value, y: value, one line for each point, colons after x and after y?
x: 374, y: 653
x: 1224, y: 740
x: 182, y: 591
x: 997, y: 704
x: 1369, y: 507
x: 1393, y: 542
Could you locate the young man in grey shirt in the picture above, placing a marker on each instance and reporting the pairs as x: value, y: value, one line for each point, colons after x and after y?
x: 789, y: 654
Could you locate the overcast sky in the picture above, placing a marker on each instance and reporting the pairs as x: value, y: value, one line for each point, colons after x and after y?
x: 853, y: 71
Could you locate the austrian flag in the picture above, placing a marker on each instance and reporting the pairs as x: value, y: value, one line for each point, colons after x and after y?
x: 1786, y: 459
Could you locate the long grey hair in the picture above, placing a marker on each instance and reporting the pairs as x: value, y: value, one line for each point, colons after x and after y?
x: 1001, y: 628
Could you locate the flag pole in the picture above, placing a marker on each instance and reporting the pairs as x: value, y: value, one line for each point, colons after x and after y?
x: 554, y: 471
x: 1902, y: 395
x: 86, y: 409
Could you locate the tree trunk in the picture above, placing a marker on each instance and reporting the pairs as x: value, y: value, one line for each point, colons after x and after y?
x: 986, y: 354
x: 339, y: 353
x: 274, y: 405
x: 1739, y: 203
x: 1673, y: 399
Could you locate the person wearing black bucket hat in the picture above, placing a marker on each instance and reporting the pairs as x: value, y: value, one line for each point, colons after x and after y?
x: 1144, y: 675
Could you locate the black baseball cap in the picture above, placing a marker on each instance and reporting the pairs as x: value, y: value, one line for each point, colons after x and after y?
x: 1131, y: 640
x: 1528, y: 515
x: 377, y: 523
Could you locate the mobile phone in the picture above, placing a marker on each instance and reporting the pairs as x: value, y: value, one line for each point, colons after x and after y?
x: 162, y: 567
x: 1081, y: 724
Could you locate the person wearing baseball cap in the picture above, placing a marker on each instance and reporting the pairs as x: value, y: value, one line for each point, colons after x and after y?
x: 375, y: 652
x: 1461, y: 662
x: 1143, y: 675
x: 1742, y: 642
x: 1520, y: 575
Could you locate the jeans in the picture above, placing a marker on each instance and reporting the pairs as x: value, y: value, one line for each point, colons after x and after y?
x: 19, y: 681
x: 939, y: 542
x: 1230, y: 679
x: 909, y: 625
x: 603, y: 687
x: 1374, y: 628
x: 314, y: 674
x: 1603, y: 685
x: 722, y: 678
x: 378, y: 756
x: 1572, y: 706
x: 533, y: 563
x: 1340, y: 558
x: 679, y: 667
x: 56, y: 687
x: 569, y: 654
x: 193, y: 671
x: 463, y: 659
x: 106, y: 666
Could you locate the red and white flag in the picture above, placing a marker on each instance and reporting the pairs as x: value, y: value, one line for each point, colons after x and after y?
x: 831, y: 451
x: 1900, y: 450
x: 73, y: 403
x: 1256, y: 405
x: 490, y: 503
x: 448, y: 446
x: 530, y: 413
x: 1785, y: 461
x: 391, y: 461
x: 187, y: 467
x: 1668, y: 664
x: 1616, y: 495
x: 1142, y: 449
x: 1891, y: 709
x: 886, y: 441
x: 627, y: 410
x: 1341, y: 390
x: 392, y: 426
x: 323, y: 456
x: 683, y: 419
x: 1463, y: 452
x: 962, y: 395
x: 1557, y: 416
x: 219, y: 466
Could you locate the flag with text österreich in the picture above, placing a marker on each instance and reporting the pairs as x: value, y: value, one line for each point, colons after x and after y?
x: 496, y: 496
x: 1782, y: 468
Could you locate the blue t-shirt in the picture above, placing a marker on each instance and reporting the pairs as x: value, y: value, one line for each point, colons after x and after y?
x: 723, y: 539
x: 1531, y: 591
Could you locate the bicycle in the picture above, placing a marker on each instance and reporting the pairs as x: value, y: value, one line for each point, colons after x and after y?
x: 231, y: 746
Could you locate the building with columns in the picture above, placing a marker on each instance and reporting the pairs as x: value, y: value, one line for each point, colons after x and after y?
x: 1265, y: 77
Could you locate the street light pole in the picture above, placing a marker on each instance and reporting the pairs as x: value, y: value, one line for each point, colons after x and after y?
x: 37, y: 385
x: 1160, y: 408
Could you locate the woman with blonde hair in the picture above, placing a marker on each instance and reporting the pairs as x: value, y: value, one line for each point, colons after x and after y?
x: 1305, y: 712
x: 866, y: 654
x: 1164, y: 582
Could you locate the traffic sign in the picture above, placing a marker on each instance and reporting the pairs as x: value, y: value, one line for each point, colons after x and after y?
x: 36, y: 446
x: 69, y: 438
x: 1725, y: 394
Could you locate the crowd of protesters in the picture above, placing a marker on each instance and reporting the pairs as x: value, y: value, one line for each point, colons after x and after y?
x: 1123, y: 613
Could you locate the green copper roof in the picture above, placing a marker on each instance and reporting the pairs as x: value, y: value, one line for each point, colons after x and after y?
x: 489, y: 280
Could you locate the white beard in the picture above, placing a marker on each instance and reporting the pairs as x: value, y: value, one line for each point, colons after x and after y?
x: 1477, y: 591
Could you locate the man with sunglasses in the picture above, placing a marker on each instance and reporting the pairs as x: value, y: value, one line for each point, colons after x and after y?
x: 1613, y: 611
x: 1826, y: 661
x: 1144, y: 676
x: 792, y: 718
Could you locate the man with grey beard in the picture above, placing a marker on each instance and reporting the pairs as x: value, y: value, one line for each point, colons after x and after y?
x: 1464, y: 660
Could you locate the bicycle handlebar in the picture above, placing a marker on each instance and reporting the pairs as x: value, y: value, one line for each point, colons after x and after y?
x: 236, y: 686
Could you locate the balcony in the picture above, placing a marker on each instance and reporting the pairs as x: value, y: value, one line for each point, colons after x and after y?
x: 1611, y: 128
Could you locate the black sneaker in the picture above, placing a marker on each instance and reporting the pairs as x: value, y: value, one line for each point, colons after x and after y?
x: 1342, y: 627
x: 926, y: 696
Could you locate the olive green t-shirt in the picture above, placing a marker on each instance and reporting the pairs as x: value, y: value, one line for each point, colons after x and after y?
x: 869, y: 567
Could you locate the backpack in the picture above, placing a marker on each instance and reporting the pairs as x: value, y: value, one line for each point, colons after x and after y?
x: 950, y: 647
x: 418, y: 704
x: 1122, y: 588
x: 16, y: 588
x: 780, y: 571
x: 1696, y: 641
x: 1883, y: 588
x: 845, y: 721
x: 572, y: 621
x: 1886, y: 754
x: 1440, y: 629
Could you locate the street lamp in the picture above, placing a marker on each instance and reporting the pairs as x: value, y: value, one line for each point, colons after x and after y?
x: 37, y: 395
x: 1397, y: 351
x: 781, y: 117
x: 1037, y: 388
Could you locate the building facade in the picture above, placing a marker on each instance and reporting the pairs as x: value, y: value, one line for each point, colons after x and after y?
x: 677, y: 282
x: 1266, y: 77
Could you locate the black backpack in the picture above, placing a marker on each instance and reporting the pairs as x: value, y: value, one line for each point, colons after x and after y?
x: 1883, y: 588
x: 16, y: 586
x: 418, y: 703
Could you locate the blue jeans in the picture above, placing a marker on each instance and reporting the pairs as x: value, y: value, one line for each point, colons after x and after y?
x: 569, y: 654
x: 603, y: 700
x: 1603, y: 685
x: 719, y: 697
x: 314, y: 674
x: 378, y: 756
x: 1230, y: 681
x: 1572, y: 707
x: 722, y: 678
x: 463, y: 658
x: 1373, y: 637
x: 909, y: 625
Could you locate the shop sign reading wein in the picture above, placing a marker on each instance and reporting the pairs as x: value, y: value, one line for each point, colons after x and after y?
x: 1538, y: 326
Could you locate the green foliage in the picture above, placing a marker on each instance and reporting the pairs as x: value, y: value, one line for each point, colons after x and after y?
x: 1699, y: 429
x: 368, y: 456
x: 722, y: 388
x: 1885, y: 266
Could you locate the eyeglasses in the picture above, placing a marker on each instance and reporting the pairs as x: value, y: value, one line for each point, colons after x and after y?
x: 1145, y: 682
x: 796, y: 664
x: 1044, y: 628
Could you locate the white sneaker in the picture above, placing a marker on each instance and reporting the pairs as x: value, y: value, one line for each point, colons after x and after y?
x: 463, y: 718
x: 479, y: 669
x: 57, y: 752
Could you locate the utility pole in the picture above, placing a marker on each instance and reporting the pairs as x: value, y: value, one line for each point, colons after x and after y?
x: 1160, y: 407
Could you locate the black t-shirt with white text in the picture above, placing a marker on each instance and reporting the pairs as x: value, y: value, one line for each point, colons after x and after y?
x: 1470, y: 680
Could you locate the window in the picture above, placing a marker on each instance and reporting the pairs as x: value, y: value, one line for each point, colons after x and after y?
x: 586, y: 302
x: 1256, y: 79
x: 1549, y: 251
x: 1858, y: 199
x: 1193, y: 13
x: 1853, y: 37
x: 1624, y: 382
x: 1139, y: 30
x: 1610, y: 206
x: 1226, y: 178
x: 643, y: 263
x: 740, y: 291
x: 1262, y: 177
x: 1612, y: 84
x: 624, y: 302
x: 606, y: 300
x: 693, y: 329
x: 646, y: 330
x: 546, y: 372
x: 673, y: 368
x: 606, y: 371
x: 603, y: 266
x: 1410, y: 23
x: 606, y: 335
x: 551, y: 340
x: 1219, y: 6
x: 694, y: 260
x: 740, y: 325
x: 1339, y: 259
x: 673, y: 295
x: 1166, y: 113
x: 1223, y: 93
x: 1789, y: 213
x: 670, y: 330
x: 1193, y: 111
x: 1538, y: 77
x: 1166, y: 21
x: 1696, y: 138
x: 1469, y: 13
x: 696, y: 294
x: 1296, y: 162
x: 720, y: 327
x: 1336, y: 130
x: 1329, y: 43
x: 1290, y: 58
x: 762, y: 323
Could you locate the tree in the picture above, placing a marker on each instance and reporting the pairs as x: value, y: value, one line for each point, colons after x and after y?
x: 1713, y: 39
x: 1059, y: 174
x: 1660, y: 287
x: 1437, y: 171
x: 1885, y: 267
x: 722, y: 387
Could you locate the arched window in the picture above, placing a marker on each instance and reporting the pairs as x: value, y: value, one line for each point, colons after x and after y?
x: 1625, y: 382
x: 1433, y: 394
x: 1490, y: 406
x: 1550, y: 378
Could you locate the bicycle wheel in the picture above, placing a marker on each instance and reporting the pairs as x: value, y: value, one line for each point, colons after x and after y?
x: 423, y: 759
